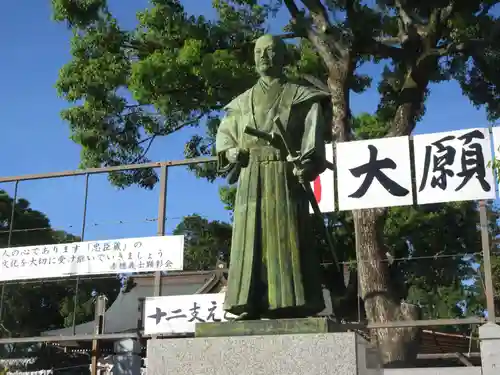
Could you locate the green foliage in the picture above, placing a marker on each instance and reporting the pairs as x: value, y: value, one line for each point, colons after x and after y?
x: 436, y: 266
x: 129, y: 87
x: 79, y: 13
x: 205, y: 242
x: 366, y: 126
x: 495, y: 269
x: 45, y: 305
x: 228, y: 196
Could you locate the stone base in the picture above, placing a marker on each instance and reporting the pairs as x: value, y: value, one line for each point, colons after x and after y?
x: 266, y: 327
x: 292, y: 354
x: 489, y: 334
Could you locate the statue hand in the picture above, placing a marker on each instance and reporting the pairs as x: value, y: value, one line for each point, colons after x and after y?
x: 233, y: 154
x: 292, y: 159
x: 301, y: 174
x: 304, y: 172
x: 236, y: 155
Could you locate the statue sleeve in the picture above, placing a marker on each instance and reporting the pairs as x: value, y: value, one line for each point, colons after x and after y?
x: 313, y: 141
x: 226, y: 139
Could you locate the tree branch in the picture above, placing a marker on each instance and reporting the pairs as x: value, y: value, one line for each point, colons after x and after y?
x: 170, y: 131
x: 321, y: 42
x: 412, y: 94
x: 410, y: 25
x: 414, y: 31
x: 403, y: 15
x: 318, y: 13
x: 326, y: 30
x: 184, y: 124
x: 447, y: 12
x: 388, y: 40
x: 434, y: 21
x: 147, y: 139
x: 292, y: 8
x: 288, y: 36
x: 486, y: 9
x: 381, y: 49
x: 469, y: 47
x: 449, y: 49
x: 133, y: 106
x: 143, y: 154
x: 350, y: 11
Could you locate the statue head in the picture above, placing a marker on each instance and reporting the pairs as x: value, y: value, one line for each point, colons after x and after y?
x: 269, y: 54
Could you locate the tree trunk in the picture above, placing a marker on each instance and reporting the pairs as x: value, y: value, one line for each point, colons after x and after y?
x: 397, y: 346
x: 339, y: 96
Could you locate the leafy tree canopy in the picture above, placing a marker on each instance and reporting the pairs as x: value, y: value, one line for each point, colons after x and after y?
x: 205, y: 242
x: 129, y: 87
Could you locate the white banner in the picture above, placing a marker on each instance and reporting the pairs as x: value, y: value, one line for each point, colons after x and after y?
x: 453, y: 166
x: 144, y: 254
x: 179, y: 314
x: 374, y: 173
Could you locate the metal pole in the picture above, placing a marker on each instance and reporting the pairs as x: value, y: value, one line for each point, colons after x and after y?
x: 343, y: 326
x: 488, y: 279
x: 359, y: 291
x: 131, y: 167
x: 12, y: 214
x: 162, y: 206
x: 358, y: 300
x: 9, y: 242
x: 140, y: 313
x: 84, y: 224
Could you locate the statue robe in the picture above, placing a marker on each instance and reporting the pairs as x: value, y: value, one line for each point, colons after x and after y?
x: 274, y: 266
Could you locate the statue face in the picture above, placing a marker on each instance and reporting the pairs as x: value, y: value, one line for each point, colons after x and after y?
x: 269, y: 56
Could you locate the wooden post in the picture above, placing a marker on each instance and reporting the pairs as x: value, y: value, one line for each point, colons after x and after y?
x: 488, y: 278
x: 100, y: 309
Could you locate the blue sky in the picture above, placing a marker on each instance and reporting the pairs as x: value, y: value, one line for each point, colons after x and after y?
x: 36, y: 140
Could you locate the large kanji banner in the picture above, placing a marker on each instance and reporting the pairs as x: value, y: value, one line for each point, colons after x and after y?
x: 449, y: 166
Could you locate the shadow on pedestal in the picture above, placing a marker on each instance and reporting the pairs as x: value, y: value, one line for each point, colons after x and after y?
x: 267, y: 327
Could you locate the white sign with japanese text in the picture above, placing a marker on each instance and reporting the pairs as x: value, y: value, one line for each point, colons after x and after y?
x: 179, y: 314
x: 374, y: 173
x: 145, y: 254
x: 453, y: 166
x: 323, y: 186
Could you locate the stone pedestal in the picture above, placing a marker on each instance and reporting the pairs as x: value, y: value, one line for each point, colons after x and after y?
x: 489, y: 334
x: 261, y: 353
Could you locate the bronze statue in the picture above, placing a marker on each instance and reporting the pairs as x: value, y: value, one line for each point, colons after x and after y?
x: 274, y: 269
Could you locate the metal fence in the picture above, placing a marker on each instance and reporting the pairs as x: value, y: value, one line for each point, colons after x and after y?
x: 161, y: 219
